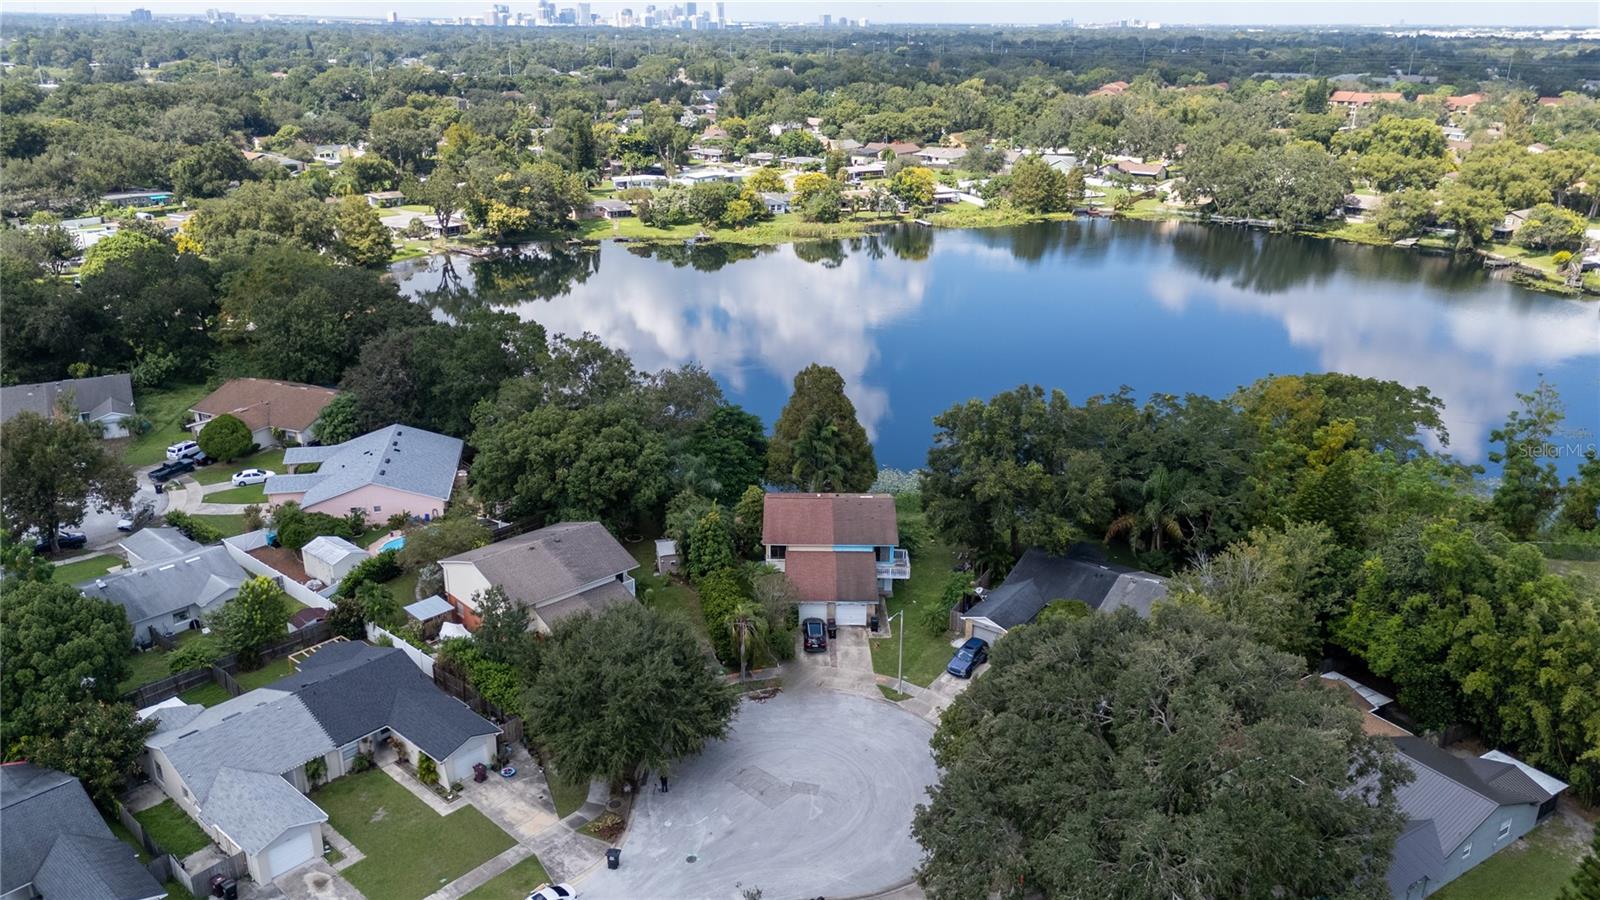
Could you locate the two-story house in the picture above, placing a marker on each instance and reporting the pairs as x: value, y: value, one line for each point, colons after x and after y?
x: 557, y: 571
x: 838, y: 550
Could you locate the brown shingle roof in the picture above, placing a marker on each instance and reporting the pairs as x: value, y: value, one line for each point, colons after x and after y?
x: 821, y: 576
x: 829, y: 519
x: 263, y: 403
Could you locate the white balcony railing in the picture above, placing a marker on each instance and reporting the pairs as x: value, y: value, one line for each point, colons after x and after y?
x: 898, y: 566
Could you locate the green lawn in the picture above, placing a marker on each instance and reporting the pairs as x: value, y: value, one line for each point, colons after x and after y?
x: 170, y: 827
x: 514, y: 883
x: 250, y: 493
x: 176, y: 891
x: 85, y: 569
x: 229, y: 525
x: 1533, y: 868
x: 267, y: 674
x: 271, y: 460
x: 925, y: 654
x: 666, y: 594
x: 167, y: 411
x: 890, y: 693
x: 151, y: 665
x: 410, y: 851
x: 124, y: 835
x: 568, y: 795
x: 208, y: 694
x: 404, y: 588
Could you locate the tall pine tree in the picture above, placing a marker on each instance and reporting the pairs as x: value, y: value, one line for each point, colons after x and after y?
x: 819, y: 395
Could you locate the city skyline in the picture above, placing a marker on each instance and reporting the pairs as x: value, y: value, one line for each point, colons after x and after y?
x: 1554, y: 13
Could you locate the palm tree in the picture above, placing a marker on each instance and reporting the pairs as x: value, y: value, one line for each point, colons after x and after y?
x: 817, y: 463
x: 1165, y: 497
x: 748, y: 619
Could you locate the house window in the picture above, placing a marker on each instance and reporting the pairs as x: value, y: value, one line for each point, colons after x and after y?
x: 1466, y: 850
x: 1505, y: 830
x: 180, y: 616
x: 777, y: 551
x: 377, y: 509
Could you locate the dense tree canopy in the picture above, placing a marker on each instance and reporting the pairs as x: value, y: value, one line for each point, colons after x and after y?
x: 821, y: 419
x: 54, y: 470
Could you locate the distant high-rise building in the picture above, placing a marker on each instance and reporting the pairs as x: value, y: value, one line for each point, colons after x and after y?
x: 584, y: 18
x: 394, y: 17
x: 140, y: 15
x: 827, y: 20
x: 722, y: 18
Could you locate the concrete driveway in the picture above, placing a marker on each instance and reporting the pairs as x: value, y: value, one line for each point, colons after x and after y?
x: 811, y: 795
x: 316, y: 880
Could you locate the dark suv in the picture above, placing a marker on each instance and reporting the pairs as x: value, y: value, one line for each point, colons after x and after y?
x: 170, y: 470
x: 816, y: 635
x: 969, y: 656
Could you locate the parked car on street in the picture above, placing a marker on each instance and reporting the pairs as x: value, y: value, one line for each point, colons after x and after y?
x: 136, y: 518
x: 816, y: 635
x: 251, y: 476
x: 168, y: 471
x: 969, y: 656
x: 66, y: 540
x: 561, y: 891
x: 183, y: 450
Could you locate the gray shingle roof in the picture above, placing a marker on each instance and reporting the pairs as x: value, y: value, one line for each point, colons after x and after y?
x: 399, y: 457
x: 255, y: 808
x: 156, y: 544
x: 206, y: 579
x: 595, y: 600
x: 354, y: 689
x: 1416, y: 856
x: 1040, y: 578
x: 98, y: 396
x: 554, y: 561
x: 51, y: 836
x: 260, y: 731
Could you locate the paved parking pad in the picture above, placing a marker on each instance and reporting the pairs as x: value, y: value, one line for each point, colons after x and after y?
x: 811, y: 795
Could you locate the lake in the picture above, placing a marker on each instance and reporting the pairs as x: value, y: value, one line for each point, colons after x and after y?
x: 918, y: 319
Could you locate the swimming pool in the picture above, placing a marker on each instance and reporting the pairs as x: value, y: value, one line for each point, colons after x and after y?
x: 394, y: 544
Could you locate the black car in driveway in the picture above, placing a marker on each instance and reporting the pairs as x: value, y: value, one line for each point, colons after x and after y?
x: 816, y: 635
x: 170, y: 470
x: 969, y: 656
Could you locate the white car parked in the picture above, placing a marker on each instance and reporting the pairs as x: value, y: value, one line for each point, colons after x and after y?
x: 252, y: 476
x: 183, y: 450
x: 554, y: 892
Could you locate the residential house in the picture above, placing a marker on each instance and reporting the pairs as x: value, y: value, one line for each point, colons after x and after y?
x: 864, y: 171
x: 146, y: 197
x: 940, y: 157
x: 839, y: 551
x: 1354, y: 100
x: 1357, y: 207
x: 104, y: 400
x: 239, y: 768
x: 776, y: 129
x: 328, y: 558
x: 1110, y: 89
x: 706, y: 154
x: 1061, y: 162
x: 777, y: 203
x: 843, y: 145
x: 609, y: 209
x: 149, y: 545
x: 393, y: 469
x: 53, y: 842
x: 1463, y: 102
x: 708, y: 175
x: 384, y: 199
x: 1513, y: 220
x: 1141, y: 171
x: 333, y: 154
x: 644, y: 180
x: 171, y: 595
x: 714, y: 133
x: 267, y: 407
x: 557, y: 571
x: 400, y: 223
x: 288, y: 162
x: 802, y: 162
x: 759, y: 159
x: 1460, y: 811
x: 902, y: 148
x: 1040, y: 578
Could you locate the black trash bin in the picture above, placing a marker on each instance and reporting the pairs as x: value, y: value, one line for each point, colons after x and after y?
x: 480, y: 772
x: 833, y: 629
x: 224, y: 887
x: 874, y: 622
x: 613, y: 857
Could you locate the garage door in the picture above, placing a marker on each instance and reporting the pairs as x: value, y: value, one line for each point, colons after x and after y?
x: 852, y: 613
x: 813, y: 611
x: 988, y: 634
x: 290, y: 851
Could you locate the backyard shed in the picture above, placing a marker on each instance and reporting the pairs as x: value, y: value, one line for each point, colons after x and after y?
x: 328, y: 558
x: 666, y: 557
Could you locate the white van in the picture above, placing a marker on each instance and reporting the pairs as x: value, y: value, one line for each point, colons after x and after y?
x: 183, y: 450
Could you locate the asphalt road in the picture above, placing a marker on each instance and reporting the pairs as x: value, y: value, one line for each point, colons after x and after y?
x: 811, y: 795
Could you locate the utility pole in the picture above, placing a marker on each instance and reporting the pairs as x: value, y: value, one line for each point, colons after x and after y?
x: 900, y: 664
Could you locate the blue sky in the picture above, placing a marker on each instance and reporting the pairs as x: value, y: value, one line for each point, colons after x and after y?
x: 1583, y: 13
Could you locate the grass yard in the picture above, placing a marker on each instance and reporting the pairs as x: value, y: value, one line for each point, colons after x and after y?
x: 228, y: 525
x: 151, y: 665
x: 925, y: 654
x: 170, y: 827
x: 176, y: 891
x: 167, y: 411
x: 124, y: 835
x: 567, y: 795
x: 514, y: 883
x: 410, y: 850
x: 781, y: 229
x: 1533, y: 868
x: 890, y: 693
x: 250, y: 493
x: 208, y: 694
x: 271, y: 460
x: 267, y: 674
x: 662, y: 593
x: 86, y: 568
x: 404, y: 588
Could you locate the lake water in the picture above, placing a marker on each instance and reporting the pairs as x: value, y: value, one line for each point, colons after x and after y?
x: 918, y: 319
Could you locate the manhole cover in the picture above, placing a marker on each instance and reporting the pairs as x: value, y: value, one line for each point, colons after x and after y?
x: 614, y: 804
x: 691, y: 858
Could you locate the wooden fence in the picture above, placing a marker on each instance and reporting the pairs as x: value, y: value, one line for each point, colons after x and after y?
x: 225, y: 670
x: 163, y: 866
x: 454, y: 683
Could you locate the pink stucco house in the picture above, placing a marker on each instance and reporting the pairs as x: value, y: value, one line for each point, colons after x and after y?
x: 394, y: 469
